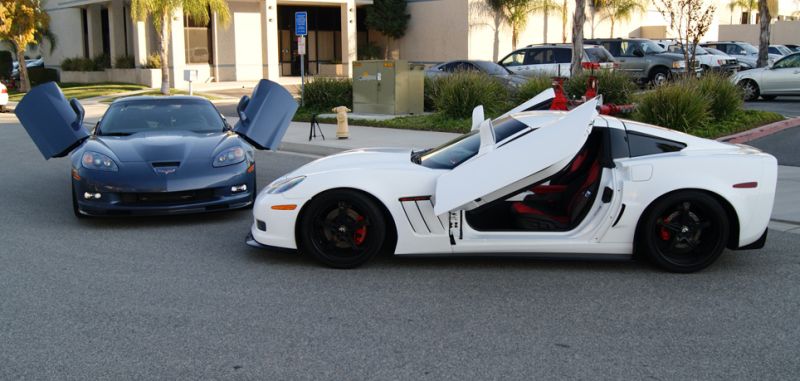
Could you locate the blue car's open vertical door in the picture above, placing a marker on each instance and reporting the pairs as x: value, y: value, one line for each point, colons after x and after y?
x: 55, y: 125
x: 265, y: 117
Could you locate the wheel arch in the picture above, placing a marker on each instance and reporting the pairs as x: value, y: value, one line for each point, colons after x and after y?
x: 655, y: 67
x: 730, y: 214
x: 391, y: 237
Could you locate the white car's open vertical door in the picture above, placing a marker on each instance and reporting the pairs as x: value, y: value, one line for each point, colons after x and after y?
x: 538, y: 153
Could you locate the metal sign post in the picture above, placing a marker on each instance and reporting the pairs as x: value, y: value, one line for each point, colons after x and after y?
x: 301, y: 30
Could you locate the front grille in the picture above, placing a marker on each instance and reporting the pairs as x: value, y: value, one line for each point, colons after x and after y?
x: 184, y: 197
x: 161, y: 164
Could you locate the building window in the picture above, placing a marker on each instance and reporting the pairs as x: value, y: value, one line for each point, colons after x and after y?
x: 745, y: 18
x: 197, y: 36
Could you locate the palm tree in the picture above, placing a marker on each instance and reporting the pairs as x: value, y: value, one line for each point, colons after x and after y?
x: 515, y: 13
x: 564, y: 13
x: 621, y: 10
x: 743, y: 4
x: 161, y: 12
x: 545, y: 6
x: 595, y: 7
x: 578, y: 19
x: 766, y: 8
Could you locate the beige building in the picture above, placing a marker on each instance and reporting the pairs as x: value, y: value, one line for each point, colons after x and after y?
x: 442, y: 30
x: 258, y: 43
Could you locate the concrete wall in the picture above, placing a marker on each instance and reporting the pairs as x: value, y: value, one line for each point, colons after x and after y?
x: 247, y: 40
x: 781, y: 32
x: 64, y: 22
x: 438, y: 30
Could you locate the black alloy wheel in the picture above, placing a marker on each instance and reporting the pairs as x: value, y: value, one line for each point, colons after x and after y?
x: 342, y: 229
x: 684, y: 232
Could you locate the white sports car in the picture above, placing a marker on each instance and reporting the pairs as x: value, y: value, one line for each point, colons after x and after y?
x: 530, y: 183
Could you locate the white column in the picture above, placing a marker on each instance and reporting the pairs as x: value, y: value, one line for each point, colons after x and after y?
x: 269, y: 41
x: 139, y: 42
x: 116, y: 25
x: 349, y: 36
x: 177, y: 51
x: 95, y: 30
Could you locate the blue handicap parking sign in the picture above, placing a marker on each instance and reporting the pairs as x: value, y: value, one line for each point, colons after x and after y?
x: 300, y: 25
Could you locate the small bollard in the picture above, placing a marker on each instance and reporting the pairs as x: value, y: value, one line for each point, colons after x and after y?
x: 342, y: 129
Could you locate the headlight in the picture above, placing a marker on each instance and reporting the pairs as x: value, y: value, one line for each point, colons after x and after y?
x: 229, y: 156
x: 94, y: 160
x: 283, y: 185
x: 678, y: 64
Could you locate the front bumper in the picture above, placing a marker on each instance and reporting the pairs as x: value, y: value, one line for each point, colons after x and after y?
x: 187, y: 195
x: 275, y: 228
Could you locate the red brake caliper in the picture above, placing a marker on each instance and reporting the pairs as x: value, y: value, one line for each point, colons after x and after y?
x: 360, y: 234
x: 664, y: 232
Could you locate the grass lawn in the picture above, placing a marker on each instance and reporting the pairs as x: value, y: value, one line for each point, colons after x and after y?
x: 82, y: 91
x: 157, y: 92
x: 741, y: 121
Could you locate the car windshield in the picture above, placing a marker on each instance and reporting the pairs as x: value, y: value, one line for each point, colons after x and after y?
x: 679, y: 49
x: 715, y: 51
x: 492, y: 68
x: 599, y: 54
x: 783, y: 50
x: 651, y: 47
x: 750, y: 49
x: 462, y: 148
x: 130, y: 117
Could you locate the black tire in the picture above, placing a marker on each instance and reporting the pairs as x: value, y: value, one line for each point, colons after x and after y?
x: 342, y: 229
x: 769, y: 97
x: 658, y: 76
x: 75, y: 209
x: 749, y: 89
x: 684, y: 232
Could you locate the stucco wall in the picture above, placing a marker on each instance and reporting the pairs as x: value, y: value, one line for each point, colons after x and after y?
x: 437, y: 31
x: 782, y: 32
x: 247, y: 31
x: 64, y: 22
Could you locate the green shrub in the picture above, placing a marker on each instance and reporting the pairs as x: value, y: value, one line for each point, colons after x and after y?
x: 78, y: 64
x: 102, y: 61
x: 615, y: 86
x: 124, y: 62
x: 153, y: 61
x: 326, y: 93
x: 531, y: 87
x: 6, y: 64
x: 726, y: 97
x: 40, y: 75
x: 428, y: 94
x: 679, y: 106
x: 458, y: 94
x: 369, y: 51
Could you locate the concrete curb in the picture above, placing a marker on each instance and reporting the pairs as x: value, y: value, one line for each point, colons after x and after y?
x: 760, y: 132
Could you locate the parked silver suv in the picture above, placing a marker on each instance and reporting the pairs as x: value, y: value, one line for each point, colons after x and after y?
x: 643, y: 59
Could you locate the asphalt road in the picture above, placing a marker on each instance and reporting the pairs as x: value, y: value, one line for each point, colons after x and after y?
x: 184, y: 298
x: 786, y: 106
x: 783, y: 145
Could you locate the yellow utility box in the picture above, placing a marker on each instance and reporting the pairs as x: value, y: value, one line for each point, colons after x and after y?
x: 387, y: 87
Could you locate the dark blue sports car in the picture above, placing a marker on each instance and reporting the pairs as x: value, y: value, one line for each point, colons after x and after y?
x: 158, y: 155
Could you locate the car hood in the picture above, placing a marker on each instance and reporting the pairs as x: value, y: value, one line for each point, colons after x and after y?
x: 672, y: 56
x: 360, y: 159
x: 165, y: 146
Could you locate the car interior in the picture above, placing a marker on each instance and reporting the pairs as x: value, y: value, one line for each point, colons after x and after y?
x: 558, y: 203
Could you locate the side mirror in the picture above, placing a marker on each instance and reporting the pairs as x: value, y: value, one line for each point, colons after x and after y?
x: 241, y: 107
x: 477, y: 117
x: 488, y: 138
x: 77, y: 124
x: 638, y: 52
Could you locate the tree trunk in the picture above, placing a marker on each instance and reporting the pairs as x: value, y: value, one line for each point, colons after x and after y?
x: 514, y: 37
x: 592, y: 12
x: 164, y: 51
x: 24, y: 82
x: 546, y: 16
x: 578, y: 18
x: 763, y: 36
x: 612, y: 27
x: 386, y: 48
x: 496, y: 47
x: 564, y: 22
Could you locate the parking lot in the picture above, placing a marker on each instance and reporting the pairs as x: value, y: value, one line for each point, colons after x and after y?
x: 786, y: 106
x: 185, y: 298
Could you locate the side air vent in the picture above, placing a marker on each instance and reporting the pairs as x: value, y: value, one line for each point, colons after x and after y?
x: 419, y: 211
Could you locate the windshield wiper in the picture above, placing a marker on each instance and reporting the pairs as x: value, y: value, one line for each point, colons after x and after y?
x: 116, y: 134
x: 416, y: 156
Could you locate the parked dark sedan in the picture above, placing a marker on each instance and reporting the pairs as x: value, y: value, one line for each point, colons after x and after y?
x: 508, y: 78
x: 158, y: 155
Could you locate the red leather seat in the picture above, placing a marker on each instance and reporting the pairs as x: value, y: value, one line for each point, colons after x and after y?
x: 533, y: 214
